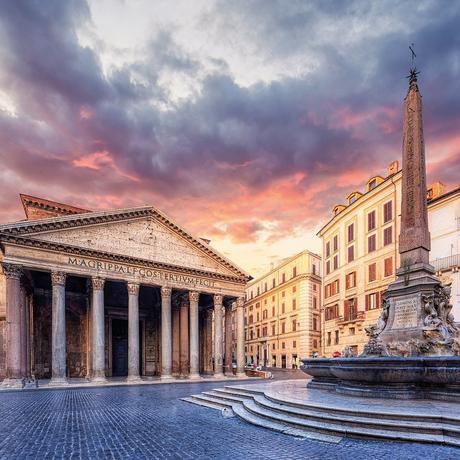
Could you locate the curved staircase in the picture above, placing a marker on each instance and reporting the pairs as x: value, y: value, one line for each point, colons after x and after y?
x: 331, y: 423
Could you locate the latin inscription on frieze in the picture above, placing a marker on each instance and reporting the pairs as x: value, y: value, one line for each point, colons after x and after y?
x: 152, y: 275
x: 405, y: 314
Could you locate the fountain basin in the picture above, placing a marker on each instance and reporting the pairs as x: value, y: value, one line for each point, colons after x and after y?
x: 435, y: 377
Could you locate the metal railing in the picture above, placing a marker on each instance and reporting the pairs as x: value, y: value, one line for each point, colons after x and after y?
x: 445, y: 263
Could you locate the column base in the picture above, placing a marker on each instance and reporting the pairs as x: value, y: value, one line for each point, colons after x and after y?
x: 194, y: 377
x: 99, y: 380
x: 12, y: 383
x: 133, y: 379
x: 219, y: 375
x: 166, y: 377
x: 58, y: 382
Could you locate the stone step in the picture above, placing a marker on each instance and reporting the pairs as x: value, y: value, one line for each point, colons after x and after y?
x: 254, y: 419
x: 219, y: 403
x: 303, y: 421
x: 357, y: 420
x: 452, y: 420
x: 337, y: 430
x: 225, y: 396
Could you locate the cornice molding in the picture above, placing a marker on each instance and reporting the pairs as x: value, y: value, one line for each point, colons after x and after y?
x: 79, y: 251
x: 80, y: 220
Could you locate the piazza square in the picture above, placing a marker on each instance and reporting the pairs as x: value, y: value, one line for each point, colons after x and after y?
x: 229, y: 230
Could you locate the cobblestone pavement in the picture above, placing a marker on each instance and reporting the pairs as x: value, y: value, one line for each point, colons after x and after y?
x: 150, y: 422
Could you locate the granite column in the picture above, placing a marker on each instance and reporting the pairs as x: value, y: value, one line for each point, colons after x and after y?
x: 133, y: 332
x: 166, y: 336
x: 240, y: 358
x: 218, y: 337
x: 98, y: 331
x: 194, y: 336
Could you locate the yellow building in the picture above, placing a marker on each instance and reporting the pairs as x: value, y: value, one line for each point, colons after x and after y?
x: 282, y: 313
x: 360, y: 256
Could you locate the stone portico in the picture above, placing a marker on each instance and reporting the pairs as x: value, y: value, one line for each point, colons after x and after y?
x: 119, y: 293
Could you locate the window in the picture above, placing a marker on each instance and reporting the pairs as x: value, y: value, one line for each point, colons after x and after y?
x: 265, y: 302
x: 283, y: 345
x: 258, y: 291
x: 313, y: 269
x: 283, y: 278
x: 273, y: 346
x: 371, y: 221
x: 335, y: 244
x: 352, y: 331
x: 315, y: 343
x: 265, y: 314
x: 294, y: 325
x: 388, y: 236
x: 315, y: 324
x: 273, y: 329
x: 328, y: 267
x: 294, y: 304
x: 315, y: 302
x: 265, y: 287
x: 350, y: 309
x: 387, y: 212
x: 294, y: 289
x: 314, y: 287
x: 283, y: 294
x: 282, y: 308
x: 372, y: 184
x: 283, y: 328
x: 294, y: 272
x: 251, y: 319
x: 329, y: 338
x: 258, y: 332
x: 273, y: 311
x: 257, y: 316
x: 350, y: 280
x: 336, y: 337
x: 372, y: 272
x: 273, y: 298
x: 388, y: 266
x: 371, y: 243
x: 351, y: 253
x: 351, y: 232
x: 328, y: 249
x: 336, y: 262
x: 264, y: 331
x: 294, y: 344
x: 273, y: 282
x: 372, y: 301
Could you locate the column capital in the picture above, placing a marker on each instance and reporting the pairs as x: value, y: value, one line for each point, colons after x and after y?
x: 194, y: 296
x: 218, y: 299
x: 133, y: 288
x: 166, y: 291
x: 58, y: 278
x: 12, y: 271
x: 97, y: 283
x: 240, y: 302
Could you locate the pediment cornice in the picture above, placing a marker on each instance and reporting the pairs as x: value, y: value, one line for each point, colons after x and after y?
x: 26, y: 241
x: 10, y: 232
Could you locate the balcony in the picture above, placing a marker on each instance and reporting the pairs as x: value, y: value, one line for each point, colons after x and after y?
x: 446, y: 263
x: 352, y: 317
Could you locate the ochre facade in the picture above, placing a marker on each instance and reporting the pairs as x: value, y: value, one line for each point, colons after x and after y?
x: 283, y: 313
x: 360, y: 256
x: 117, y: 293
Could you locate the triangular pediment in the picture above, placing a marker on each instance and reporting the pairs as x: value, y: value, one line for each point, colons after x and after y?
x: 141, y: 233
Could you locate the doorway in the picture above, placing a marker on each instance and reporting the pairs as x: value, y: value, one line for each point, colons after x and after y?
x: 119, y: 347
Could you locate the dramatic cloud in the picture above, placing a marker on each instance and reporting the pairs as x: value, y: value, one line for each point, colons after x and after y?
x: 245, y: 121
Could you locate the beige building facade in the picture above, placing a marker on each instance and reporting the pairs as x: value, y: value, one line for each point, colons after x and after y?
x: 118, y: 293
x: 360, y: 256
x: 283, y: 313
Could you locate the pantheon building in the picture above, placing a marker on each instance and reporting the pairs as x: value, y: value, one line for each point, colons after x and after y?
x: 122, y: 293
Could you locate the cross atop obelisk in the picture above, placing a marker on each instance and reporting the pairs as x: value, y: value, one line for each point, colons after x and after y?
x: 414, y: 239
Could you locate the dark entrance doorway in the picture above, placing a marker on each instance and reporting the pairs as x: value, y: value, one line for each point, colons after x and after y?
x: 119, y: 347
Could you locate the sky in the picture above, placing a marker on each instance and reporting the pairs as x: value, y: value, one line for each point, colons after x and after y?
x: 245, y: 121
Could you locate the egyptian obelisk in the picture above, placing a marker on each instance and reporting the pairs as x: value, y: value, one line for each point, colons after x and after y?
x: 415, y: 317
